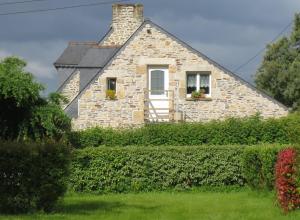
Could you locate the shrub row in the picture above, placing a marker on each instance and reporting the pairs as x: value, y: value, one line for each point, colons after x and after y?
x: 258, y: 166
x: 32, y: 176
x: 246, y: 131
x: 133, y: 169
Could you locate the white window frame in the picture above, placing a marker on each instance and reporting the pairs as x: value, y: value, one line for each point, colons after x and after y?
x: 198, y: 74
x: 166, y: 82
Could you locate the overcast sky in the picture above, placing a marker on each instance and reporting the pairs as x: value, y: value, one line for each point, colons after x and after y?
x: 228, y: 31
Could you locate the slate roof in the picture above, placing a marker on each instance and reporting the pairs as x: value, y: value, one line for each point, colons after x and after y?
x: 73, y: 54
x: 72, y: 108
x: 86, y: 74
x: 86, y: 57
x: 63, y: 75
x: 97, y: 57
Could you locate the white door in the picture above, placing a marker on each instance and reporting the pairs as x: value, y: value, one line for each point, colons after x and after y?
x: 158, y: 94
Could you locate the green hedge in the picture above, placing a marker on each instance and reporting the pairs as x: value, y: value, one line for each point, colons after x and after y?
x: 32, y: 176
x: 246, y: 131
x: 134, y: 169
x: 259, y: 166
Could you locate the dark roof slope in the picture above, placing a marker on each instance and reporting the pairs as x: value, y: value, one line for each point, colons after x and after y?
x: 72, y: 110
x: 97, y: 57
x: 87, y: 57
x: 86, y: 74
x: 64, y: 75
x: 73, y: 54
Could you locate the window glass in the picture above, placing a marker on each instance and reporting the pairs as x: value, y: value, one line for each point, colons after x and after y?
x: 191, y: 83
x: 204, y: 83
x: 111, y: 84
x: 157, y: 82
x: 197, y: 82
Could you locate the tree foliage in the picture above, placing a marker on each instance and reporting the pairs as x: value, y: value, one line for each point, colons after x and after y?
x: 279, y: 73
x: 24, y: 113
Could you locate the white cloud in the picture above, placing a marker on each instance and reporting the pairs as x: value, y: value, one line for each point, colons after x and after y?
x: 4, y: 54
x: 35, y: 67
x: 39, y: 56
x: 40, y: 70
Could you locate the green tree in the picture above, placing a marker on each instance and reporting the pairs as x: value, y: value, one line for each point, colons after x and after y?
x: 279, y: 73
x: 24, y: 114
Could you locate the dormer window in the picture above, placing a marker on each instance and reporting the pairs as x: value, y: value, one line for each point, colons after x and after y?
x: 198, y: 81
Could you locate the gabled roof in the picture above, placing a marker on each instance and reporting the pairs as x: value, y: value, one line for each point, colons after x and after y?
x: 64, y: 75
x: 73, y: 104
x: 87, y: 57
x: 97, y: 57
x: 73, y: 54
x: 85, y: 54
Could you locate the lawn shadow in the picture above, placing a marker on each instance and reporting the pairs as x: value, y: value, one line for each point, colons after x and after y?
x: 86, y: 207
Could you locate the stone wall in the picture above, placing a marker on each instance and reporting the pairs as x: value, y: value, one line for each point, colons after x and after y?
x: 71, y: 88
x: 126, y: 19
x: 150, y: 47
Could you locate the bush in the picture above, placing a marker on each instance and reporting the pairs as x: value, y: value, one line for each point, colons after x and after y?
x: 32, y: 176
x: 246, y: 131
x: 24, y: 113
x: 258, y: 166
x: 288, y: 193
x: 134, y: 169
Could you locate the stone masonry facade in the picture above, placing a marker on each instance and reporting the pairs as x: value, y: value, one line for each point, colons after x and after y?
x: 150, y: 46
x: 71, y: 88
x: 125, y: 20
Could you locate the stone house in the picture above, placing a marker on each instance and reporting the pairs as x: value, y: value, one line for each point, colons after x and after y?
x: 138, y: 73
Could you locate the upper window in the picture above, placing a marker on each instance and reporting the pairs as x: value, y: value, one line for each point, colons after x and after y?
x: 198, y: 81
x: 112, y: 84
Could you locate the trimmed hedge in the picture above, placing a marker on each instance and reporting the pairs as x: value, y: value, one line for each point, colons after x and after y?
x: 135, y: 169
x: 32, y: 176
x: 245, y: 131
x: 259, y: 166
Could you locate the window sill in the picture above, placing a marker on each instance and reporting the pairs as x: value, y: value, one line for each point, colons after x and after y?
x: 199, y: 99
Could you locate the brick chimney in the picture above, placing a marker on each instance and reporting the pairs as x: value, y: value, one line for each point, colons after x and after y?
x: 126, y: 18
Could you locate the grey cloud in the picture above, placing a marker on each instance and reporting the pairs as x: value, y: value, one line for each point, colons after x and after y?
x: 264, y: 13
x: 80, y: 23
x: 216, y: 31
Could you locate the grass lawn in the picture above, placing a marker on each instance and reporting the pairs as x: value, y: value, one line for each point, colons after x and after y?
x: 168, y: 205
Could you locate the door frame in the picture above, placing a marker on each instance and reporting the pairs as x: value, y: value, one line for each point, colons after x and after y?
x: 166, y: 81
